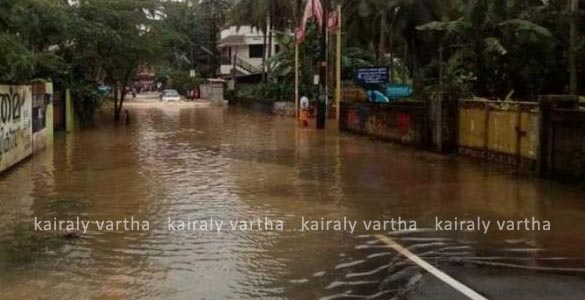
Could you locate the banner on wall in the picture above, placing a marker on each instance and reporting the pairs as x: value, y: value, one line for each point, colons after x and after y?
x: 15, y: 124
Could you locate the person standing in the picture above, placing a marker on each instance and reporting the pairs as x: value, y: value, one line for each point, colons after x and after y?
x: 304, y: 117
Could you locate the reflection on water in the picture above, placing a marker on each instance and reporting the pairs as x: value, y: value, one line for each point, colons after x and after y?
x: 232, y: 164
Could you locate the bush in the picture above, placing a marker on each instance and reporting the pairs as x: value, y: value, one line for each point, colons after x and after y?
x: 183, y: 82
x: 87, y: 100
x: 263, y: 92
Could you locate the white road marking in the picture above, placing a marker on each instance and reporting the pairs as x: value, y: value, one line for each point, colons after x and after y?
x: 431, y: 269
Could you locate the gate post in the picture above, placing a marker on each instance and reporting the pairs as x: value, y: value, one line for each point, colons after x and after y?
x: 69, y: 112
x: 49, y: 114
x: 443, y: 123
x: 547, y: 105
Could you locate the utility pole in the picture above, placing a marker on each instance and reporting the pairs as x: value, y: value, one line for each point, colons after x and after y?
x: 338, y: 67
x: 322, y: 102
x: 391, y: 42
x: 298, y: 23
x: 441, y: 67
x: 573, y: 36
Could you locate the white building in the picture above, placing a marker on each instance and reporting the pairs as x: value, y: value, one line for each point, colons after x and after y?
x: 243, y: 48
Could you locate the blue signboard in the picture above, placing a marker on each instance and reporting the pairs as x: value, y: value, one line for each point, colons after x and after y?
x: 372, y: 75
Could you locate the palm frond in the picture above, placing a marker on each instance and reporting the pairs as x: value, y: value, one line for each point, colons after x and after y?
x: 527, y: 27
x: 493, y: 45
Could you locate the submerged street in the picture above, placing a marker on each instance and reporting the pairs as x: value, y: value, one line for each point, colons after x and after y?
x: 205, y: 165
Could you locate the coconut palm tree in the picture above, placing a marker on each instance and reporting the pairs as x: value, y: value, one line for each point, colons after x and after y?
x: 483, y: 32
x: 389, y: 27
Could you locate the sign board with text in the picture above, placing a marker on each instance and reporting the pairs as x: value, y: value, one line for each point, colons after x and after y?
x: 372, y: 75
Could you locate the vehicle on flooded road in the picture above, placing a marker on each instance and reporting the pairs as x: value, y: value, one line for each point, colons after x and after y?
x: 170, y: 96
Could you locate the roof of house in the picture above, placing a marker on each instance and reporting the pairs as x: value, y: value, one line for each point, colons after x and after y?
x: 233, y: 40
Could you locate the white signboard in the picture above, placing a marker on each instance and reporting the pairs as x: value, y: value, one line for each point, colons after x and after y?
x: 15, y: 124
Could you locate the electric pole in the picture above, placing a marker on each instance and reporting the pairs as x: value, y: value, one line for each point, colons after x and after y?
x: 322, y: 103
x: 573, y: 36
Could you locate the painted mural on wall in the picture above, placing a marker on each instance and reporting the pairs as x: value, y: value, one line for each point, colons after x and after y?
x: 15, y: 124
x: 403, y: 124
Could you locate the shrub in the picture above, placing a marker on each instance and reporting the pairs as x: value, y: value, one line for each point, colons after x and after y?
x: 263, y: 92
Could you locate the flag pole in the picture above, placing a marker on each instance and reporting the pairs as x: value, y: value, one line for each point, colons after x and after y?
x: 338, y: 69
x: 322, y: 101
x: 296, y: 80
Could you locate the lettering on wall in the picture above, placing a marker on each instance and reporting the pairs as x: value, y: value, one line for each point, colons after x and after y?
x: 15, y: 124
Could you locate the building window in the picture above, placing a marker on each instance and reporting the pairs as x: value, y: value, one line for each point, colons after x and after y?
x: 256, y: 51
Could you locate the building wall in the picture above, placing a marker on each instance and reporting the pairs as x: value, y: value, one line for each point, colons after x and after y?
x: 533, y: 136
x: 213, y: 90
x: 401, y: 122
x: 15, y: 124
x: 251, y: 37
x: 566, y: 144
x: 503, y: 132
x: 243, y: 51
x: 26, y: 121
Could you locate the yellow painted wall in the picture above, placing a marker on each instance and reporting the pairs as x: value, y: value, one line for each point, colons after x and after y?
x: 508, y: 131
x: 472, y: 128
x: 502, y: 135
x: 529, y: 144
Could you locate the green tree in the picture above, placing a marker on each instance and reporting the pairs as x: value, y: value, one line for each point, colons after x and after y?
x: 29, y: 33
x: 485, y: 35
x: 112, y: 40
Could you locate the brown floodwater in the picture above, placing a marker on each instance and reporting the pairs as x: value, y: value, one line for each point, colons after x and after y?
x: 233, y: 164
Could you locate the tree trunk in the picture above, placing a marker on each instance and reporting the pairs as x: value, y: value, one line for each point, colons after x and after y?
x: 119, y: 104
x: 116, y: 103
x: 382, y: 45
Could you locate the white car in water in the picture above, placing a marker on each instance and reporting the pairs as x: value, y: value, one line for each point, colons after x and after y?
x: 170, y: 95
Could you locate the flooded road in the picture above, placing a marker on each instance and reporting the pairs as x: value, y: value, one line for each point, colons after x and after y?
x: 232, y: 164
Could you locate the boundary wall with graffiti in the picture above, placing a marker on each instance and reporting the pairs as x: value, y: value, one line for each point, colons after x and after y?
x: 545, y: 137
x: 400, y: 122
x: 25, y: 121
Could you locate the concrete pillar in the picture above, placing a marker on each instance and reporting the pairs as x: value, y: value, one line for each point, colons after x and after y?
x: 547, y: 105
x: 50, y: 129
x: 443, y: 123
x: 69, y: 112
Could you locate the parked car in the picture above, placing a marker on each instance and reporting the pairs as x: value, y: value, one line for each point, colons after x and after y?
x: 170, y: 95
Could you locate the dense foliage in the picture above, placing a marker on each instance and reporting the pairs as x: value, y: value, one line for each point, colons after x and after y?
x: 490, y: 48
x: 482, y: 47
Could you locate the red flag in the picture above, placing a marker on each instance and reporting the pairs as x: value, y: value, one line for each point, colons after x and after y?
x: 313, y: 9
x: 333, y: 21
x: 300, y: 34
